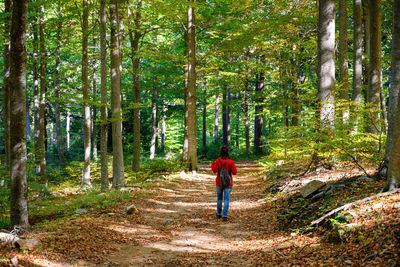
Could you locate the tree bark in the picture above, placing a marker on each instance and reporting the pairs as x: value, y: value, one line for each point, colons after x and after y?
x: 326, y: 63
x: 225, y: 116
x: 42, y: 166
x: 357, y: 63
x: 85, y: 88
x: 191, y: 91
x: 228, y: 117
x: 163, y: 126
x: 94, y: 111
x: 116, y: 111
x: 6, y: 83
x: 19, y: 194
x: 258, y: 121
x: 154, y: 127
x: 35, y: 74
x: 246, y: 117
x: 375, y: 65
x: 343, y: 62
x: 67, y: 130
x: 393, y: 175
x: 205, y: 120
x: 60, y: 146
x: 185, y: 89
x: 103, y: 110
x: 136, y: 87
x: 216, y: 118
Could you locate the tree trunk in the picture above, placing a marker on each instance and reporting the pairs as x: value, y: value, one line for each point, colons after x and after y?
x: 186, y: 114
x: 103, y: 110
x: 67, y: 130
x: 42, y: 166
x: 94, y: 111
x: 326, y: 63
x: 228, y: 117
x: 296, y: 105
x: 136, y: 87
x: 6, y: 83
x: 19, y: 194
x: 343, y: 62
x: 216, y: 118
x: 258, y: 121
x: 375, y: 66
x: 225, y: 116
x: 163, y: 126
x: 191, y: 91
x: 237, y: 127
x: 205, y: 120
x: 154, y: 128
x: 60, y: 146
x: 357, y: 63
x: 116, y: 111
x: 393, y: 176
x: 35, y: 74
x: 246, y: 117
x: 85, y: 88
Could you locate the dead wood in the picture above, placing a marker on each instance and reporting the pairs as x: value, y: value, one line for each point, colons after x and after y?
x: 351, y: 204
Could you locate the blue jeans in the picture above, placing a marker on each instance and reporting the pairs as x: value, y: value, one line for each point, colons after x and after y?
x: 226, y: 194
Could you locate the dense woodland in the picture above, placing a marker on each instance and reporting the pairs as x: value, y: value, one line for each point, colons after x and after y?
x: 101, y: 95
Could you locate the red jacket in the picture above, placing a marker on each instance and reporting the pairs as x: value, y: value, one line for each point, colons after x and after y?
x: 229, y: 166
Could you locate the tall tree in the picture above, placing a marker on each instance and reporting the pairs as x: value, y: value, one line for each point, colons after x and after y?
x: 163, y: 126
x: 216, y: 118
x: 94, y: 109
x: 343, y: 61
x: 154, y: 122
x: 357, y: 62
x: 326, y: 63
x: 42, y: 102
x: 258, y: 122
x: 116, y: 111
x: 246, y: 116
x: 136, y: 85
x: 393, y: 175
x: 103, y: 110
x: 205, y: 120
x: 375, y: 64
x: 19, y: 193
x: 6, y: 81
x: 85, y: 89
x: 60, y: 146
x: 191, y: 89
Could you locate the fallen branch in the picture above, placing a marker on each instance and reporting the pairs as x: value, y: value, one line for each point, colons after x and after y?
x: 281, y: 254
x: 351, y: 204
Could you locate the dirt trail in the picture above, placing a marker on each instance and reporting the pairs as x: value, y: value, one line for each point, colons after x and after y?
x: 178, y: 225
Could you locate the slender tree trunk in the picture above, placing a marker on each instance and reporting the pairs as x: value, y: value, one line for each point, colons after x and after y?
x: 258, y: 121
x: 393, y: 176
x: 237, y: 127
x: 35, y: 74
x: 186, y: 114
x: 163, y: 126
x: 343, y: 62
x: 6, y: 82
x: 103, y: 110
x: 225, y: 116
x: 205, y: 120
x: 67, y: 130
x: 42, y: 103
x: 228, y: 117
x: 136, y: 87
x: 326, y: 63
x: 375, y: 65
x: 60, y: 146
x: 366, y: 29
x: 19, y: 193
x: 94, y: 116
x: 357, y: 63
x: 296, y: 105
x: 85, y: 88
x: 216, y: 118
x: 28, y: 122
x: 154, y: 128
x: 116, y: 111
x: 246, y: 117
x: 191, y: 91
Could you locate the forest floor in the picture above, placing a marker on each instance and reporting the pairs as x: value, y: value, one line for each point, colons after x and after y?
x: 175, y: 225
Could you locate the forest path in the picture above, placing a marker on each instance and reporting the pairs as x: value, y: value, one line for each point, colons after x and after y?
x: 178, y: 226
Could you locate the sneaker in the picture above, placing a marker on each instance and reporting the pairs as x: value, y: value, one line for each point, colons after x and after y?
x: 225, y: 219
x: 218, y: 216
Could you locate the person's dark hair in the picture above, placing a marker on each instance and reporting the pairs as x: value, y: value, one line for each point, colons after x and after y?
x: 224, y: 152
